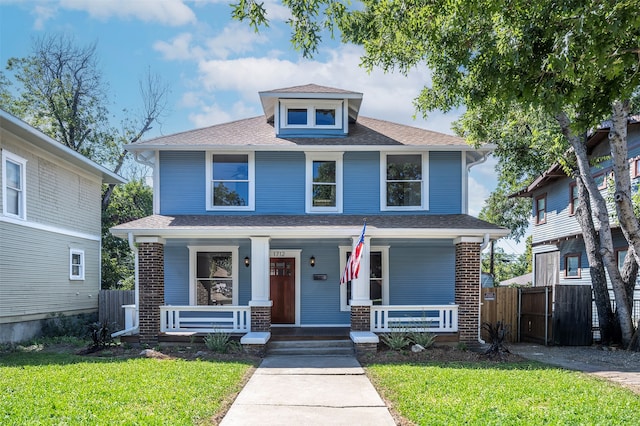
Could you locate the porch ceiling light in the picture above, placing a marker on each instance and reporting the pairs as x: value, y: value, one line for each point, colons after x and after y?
x: 246, y: 261
x: 312, y: 261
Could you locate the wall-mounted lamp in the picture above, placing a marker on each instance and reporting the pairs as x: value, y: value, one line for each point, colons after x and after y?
x: 312, y: 261
x: 246, y: 261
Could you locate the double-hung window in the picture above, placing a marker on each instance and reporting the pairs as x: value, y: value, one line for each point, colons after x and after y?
x: 404, y: 179
x: 572, y: 265
x: 14, y: 197
x: 76, y: 264
x: 541, y: 209
x: 213, y: 275
x: 230, y: 181
x: 324, y: 183
x: 299, y: 114
x: 378, y: 276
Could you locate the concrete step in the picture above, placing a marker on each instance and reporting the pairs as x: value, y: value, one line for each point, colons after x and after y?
x: 311, y: 347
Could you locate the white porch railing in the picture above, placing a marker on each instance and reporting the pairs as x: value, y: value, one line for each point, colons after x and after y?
x: 425, y: 318
x: 205, y: 319
x: 130, y: 318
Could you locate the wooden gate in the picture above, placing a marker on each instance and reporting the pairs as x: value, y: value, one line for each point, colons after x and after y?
x: 536, y: 314
x: 572, y: 316
x: 500, y: 304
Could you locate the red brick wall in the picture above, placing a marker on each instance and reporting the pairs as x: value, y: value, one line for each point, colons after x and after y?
x: 361, y: 318
x: 151, y: 287
x: 261, y: 318
x: 467, y: 291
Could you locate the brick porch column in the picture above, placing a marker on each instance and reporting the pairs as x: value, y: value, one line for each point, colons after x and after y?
x: 467, y: 288
x: 150, y: 287
x: 361, y: 318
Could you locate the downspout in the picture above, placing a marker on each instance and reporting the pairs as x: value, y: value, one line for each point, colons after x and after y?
x: 485, y: 242
x: 133, y: 329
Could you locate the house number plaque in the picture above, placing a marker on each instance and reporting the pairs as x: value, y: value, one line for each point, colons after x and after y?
x: 277, y: 253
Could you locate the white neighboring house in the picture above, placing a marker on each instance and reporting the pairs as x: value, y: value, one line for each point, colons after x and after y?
x: 50, y: 229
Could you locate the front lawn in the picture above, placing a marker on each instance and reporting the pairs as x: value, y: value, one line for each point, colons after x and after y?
x: 60, y: 388
x: 512, y: 393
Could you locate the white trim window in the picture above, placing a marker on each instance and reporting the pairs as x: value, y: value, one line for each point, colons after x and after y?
x: 14, y: 194
x: 378, y: 276
x: 76, y: 264
x: 404, y: 181
x: 230, y: 181
x: 304, y: 114
x: 213, y: 275
x: 323, y: 183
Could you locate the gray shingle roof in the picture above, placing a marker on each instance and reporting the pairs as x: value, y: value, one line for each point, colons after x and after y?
x: 257, y: 133
x: 312, y: 88
x: 325, y: 225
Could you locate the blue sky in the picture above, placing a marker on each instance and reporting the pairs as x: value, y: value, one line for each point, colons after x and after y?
x: 215, y: 66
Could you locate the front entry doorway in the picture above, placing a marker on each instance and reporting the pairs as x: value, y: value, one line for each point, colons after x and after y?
x: 283, y: 290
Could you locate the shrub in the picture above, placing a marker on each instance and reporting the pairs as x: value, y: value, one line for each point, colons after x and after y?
x: 220, y: 342
x: 59, y: 325
x: 498, y: 333
x: 424, y: 339
x: 396, y: 340
x: 100, y: 333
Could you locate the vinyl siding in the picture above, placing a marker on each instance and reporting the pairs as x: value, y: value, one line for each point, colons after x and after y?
x: 182, y: 182
x: 422, y: 274
x: 445, y: 182
x: 559, y: 220
x: 280, y: 183
x: 58, y: 194
x: 34, y: 273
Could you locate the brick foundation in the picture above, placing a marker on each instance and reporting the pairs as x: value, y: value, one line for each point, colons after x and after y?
x: 261, y: 318
x: 365, y: 348
x: 256, y: 350
x: 151, y: 290
x: 467, y: 291
x: 361, y: 318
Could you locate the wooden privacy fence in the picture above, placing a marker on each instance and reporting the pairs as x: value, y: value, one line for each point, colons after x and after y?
x: 538, y: 315
x: 110, y: 306
x: 500, y: 304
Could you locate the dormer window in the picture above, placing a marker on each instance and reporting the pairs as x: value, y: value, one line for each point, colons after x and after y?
x: 304, y: 114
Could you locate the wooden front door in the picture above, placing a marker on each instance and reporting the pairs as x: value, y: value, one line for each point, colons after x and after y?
x: 283, y: 290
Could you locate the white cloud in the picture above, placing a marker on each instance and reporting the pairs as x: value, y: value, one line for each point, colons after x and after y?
x: 166, y: 12
x: 43, y: 14
x: 179, y: 48
x: 235, y: 38
x: 477, y: 194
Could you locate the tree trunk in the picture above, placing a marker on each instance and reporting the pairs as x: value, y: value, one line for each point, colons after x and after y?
x: 619, y: 154
x: 606, y: 241
x: 609, y: 328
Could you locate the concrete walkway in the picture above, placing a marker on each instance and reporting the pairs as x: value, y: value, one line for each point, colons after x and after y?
x: 617, y: 366
x: 308, y: 390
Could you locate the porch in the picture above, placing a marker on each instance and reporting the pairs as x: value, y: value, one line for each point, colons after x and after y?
x: 191, y: 323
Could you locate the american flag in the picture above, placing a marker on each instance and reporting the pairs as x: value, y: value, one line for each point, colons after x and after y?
x: 352, y: 268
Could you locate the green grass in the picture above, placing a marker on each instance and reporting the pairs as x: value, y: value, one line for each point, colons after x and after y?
x: 502, y: 394
x: 48, y: 388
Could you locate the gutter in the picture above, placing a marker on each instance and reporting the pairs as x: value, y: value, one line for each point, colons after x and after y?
x: 134, y: 329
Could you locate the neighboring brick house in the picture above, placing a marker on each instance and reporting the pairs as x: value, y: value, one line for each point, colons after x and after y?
x: 558, y: 251
x: 254, y: 221
x: 50, y: 229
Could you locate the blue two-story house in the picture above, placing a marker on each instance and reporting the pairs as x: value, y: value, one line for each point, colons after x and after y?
x: 254, y: 221
x: 559, y: 255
